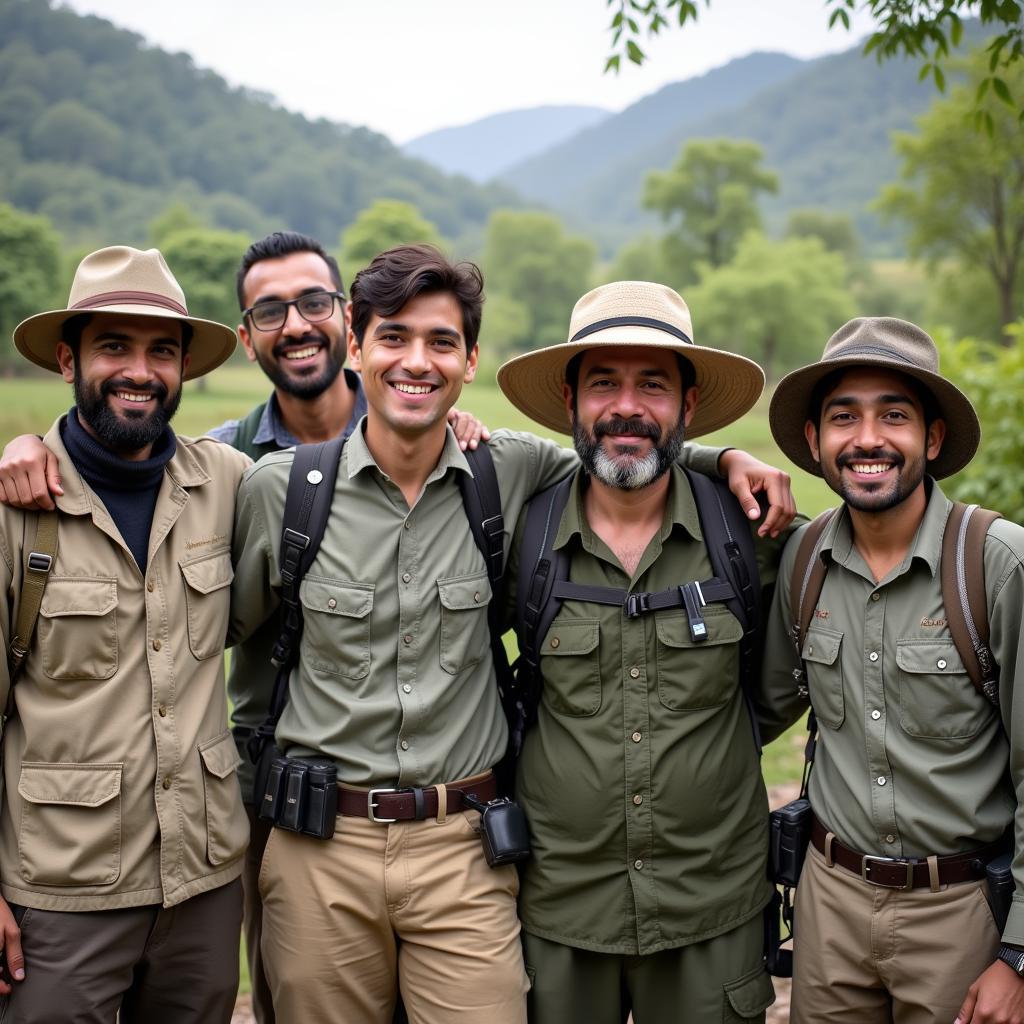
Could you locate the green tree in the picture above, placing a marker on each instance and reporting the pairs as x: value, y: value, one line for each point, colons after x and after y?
x: 962, y: 194
x: 642, y: 259
x: 204, y: 260
x: 835, y: 230
x: 383, y: 225
x: 30, y: 273
x: 711, y: 191
x: 173, y: 220
x: 528, y: 257
x: 776, y: 302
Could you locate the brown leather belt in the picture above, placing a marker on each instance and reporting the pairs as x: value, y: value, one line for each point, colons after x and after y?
x: 899, y: 873
x: 414, y: 803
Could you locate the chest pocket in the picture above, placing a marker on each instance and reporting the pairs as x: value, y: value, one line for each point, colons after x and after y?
x: 571, y: 667
x: 821, y: 655
x: 937, y: 698
x: 336, y: 630
x: 77, y: 630
x: 695, y: 675
x: 464, y: 635
x: 207, y: 601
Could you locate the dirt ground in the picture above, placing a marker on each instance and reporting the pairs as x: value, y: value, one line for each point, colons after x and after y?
x: 777, y: 1014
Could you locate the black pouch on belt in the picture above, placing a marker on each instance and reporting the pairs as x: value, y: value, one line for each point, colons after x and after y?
x: 503, y: 830
x: 301, y: 795
x: 1000, y: 888
x: 789, y: 832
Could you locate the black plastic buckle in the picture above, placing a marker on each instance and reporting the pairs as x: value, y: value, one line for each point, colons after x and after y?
x: 39, y: 562
x: 637, y: 604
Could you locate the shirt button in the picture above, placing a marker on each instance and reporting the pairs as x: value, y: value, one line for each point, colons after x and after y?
x: 634, y: 672
x: 873, y: 656
x: 941, y: 662
x: 890, y: 839
x: 876, y: 715
x: 408, y: 525
x: 332, y: 603
x: 476, y: 597
x: 407, y: 639
x: 156, y: 644
x: 405, y: 744
x: 638, y: 799
x: 638, y: 864
x: 150, y: 586
x: 555, y: 641
x: 406, y: 577
x: 407, y: 688
x: 875, y: 597
x: 881, y: 780
x: 167, y: 783
x: 162, y: 711
x: 637, y: 737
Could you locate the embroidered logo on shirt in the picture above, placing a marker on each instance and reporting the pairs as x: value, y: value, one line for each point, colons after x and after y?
x: 821, y: 613
x: 932, y: 622
x: 202, y: 542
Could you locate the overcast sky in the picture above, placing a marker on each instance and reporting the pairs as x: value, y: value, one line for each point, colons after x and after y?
x: 405, y: 67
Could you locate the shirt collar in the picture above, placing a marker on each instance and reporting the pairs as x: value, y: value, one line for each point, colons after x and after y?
x: 359, y: 456
x: 271, y: 428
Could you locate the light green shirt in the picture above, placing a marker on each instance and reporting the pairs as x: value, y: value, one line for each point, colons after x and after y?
x: 911, y: 759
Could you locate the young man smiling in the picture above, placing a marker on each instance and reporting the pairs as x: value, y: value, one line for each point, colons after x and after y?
x: 917, y: 777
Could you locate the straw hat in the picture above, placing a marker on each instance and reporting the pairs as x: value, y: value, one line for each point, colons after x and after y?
x: 120, y: 279
x: 892, y: 345
x: 632, y: 313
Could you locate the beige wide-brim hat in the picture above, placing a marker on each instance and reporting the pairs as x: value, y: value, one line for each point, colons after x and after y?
x: 890, y: 344
x: 120, y: 279
x: 632, y: 313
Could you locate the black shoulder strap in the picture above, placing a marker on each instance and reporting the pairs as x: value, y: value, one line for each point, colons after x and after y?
x: 307, y: 507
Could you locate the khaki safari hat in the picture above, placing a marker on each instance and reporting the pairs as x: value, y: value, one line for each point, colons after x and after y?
x: 891, y: 344
x: 632, y: 313
x: 120, y: 279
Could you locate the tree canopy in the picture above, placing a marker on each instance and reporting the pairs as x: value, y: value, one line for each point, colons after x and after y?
x: 383, y: 225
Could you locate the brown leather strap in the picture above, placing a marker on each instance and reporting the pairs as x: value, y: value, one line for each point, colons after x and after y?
x: 899, y: 873
x: 808, y: 578
x: 963, y: 593
x: 414, y: 803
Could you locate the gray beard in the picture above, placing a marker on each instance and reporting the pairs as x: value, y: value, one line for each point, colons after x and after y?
x: 626, y: 472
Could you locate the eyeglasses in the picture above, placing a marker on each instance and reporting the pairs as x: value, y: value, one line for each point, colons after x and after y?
x: 313, y: 307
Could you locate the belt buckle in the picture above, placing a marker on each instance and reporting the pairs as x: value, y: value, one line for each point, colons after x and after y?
x: 864, y: 869
x: 371, y: 804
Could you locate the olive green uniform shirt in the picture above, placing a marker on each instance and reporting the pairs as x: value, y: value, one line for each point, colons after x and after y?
x: 641, y: 779
x: 911, y: 759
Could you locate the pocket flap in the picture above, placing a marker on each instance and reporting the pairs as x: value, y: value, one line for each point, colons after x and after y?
x: 575, y: 636
x: 931, y: 656
x: 81, y: 785
x: 71, y: 595
x: 220, y: 756
x: 822, y: 645
x: 209, y: 573
x: 750, y: 997
x: 335, y: 598
x: 464, y: 592
x: 674, y: 630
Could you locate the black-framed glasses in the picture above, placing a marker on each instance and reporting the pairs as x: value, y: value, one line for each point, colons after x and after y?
x: 314, y: 307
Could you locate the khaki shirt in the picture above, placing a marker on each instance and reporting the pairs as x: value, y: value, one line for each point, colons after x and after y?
x: 120, y: 786
x: 911, y: 759
x: 394, y: 681
x: 641, y: 779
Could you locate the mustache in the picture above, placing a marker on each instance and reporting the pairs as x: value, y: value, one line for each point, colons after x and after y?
x: 862, y: 456
x: 155, y: 388
x: 627, y: 428
x: 310, y: 338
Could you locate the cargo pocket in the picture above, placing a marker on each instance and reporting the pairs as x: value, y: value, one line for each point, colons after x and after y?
x: 78, y: 627
x: 207, y: 601
x: 227, y: 827
x: 748, y: 997
x: 70, y: 833
x: 464, y: 635
x: 570, y: 664
x: 694, y: 675
x: 336, y: 626
x: 825, y: 675
x: 937, y: 698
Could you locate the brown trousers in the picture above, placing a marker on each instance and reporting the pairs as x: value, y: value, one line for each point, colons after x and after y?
x: 343, y: 917
x: 151, y: 965
x: 262, y: 1004
x: 868, y: 955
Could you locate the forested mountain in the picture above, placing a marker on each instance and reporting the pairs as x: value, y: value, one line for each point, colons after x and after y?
x: 101, y: 132
x: 485, y: 148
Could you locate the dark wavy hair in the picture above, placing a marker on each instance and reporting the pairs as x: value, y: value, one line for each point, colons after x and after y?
x: 276, y: 245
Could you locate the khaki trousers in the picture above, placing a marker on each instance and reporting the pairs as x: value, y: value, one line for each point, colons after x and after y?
x: 342, y: 917
x: 868, y: 955
x: 259, y: 833
x: 718, y: 981
x: 150, y: 964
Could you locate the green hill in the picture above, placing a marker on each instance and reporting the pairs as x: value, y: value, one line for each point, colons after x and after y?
x: 100, y: 132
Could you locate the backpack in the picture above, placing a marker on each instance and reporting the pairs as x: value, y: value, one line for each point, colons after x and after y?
x: 543, y: 584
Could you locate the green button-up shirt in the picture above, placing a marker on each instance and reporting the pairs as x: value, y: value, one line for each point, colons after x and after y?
x: 641, y: 779
x: 911, y: 759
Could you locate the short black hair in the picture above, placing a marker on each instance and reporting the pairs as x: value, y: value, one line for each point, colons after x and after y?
x: 687, y: 373
x: 276, y: 245
x: 831, y: 380
x: 399, y: 275
x: 71, y: 333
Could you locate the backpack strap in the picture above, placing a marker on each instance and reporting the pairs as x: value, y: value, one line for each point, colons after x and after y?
x: 38, y: 565
x: 805, y: 587
x: 307, y: 508
x: 963, y: 593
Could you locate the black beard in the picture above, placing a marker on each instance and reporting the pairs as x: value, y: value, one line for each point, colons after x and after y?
x: 132, y: 432
x: 633, y: 473
x: 909, y: 474
x: 303, y: 387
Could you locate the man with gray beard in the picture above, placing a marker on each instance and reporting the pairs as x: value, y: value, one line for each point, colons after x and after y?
x: 640, y: 779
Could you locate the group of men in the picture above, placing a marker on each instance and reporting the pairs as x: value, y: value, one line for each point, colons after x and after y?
x: 124, y: 845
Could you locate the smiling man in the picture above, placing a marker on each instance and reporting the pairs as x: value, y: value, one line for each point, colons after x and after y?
x: 917, y: 777
x: 122, y: 829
